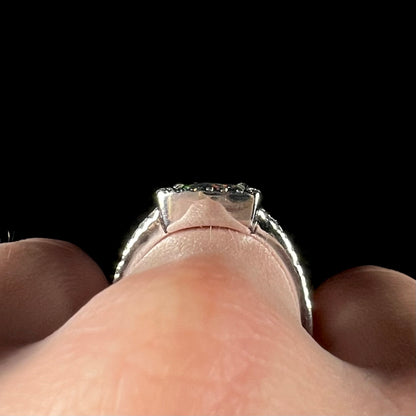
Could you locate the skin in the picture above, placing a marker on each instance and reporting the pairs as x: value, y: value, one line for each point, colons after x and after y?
x: 199, y: 334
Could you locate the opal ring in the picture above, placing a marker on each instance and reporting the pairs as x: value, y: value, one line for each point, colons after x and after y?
x: 236, y: 207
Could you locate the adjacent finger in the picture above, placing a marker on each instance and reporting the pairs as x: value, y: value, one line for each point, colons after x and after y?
x: 367, y: 316
x: 43, y: 283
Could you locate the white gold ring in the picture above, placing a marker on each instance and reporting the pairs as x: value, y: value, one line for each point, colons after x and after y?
x: 238, y: 202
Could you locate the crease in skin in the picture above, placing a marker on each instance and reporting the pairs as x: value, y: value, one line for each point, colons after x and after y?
x: 9, y: 252
x: 56, y: 243
x: 119, y: 389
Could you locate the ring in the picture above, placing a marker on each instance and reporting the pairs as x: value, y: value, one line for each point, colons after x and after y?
x: 236, y: 207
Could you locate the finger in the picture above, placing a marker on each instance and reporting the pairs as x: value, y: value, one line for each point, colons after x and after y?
x: 367, y: 316
x: 42, y: 284
x: 205, y: 324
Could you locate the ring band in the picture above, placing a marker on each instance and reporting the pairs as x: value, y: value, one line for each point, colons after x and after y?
x: 239, y: 203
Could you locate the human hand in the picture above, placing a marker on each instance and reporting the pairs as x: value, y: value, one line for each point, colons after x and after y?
x: 199, y: 334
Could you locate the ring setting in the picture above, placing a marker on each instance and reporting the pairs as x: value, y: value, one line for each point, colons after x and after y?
x: 235, y: 207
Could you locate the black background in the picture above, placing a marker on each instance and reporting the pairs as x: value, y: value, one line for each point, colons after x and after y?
x: 92, y: 127
x: 342, y: 208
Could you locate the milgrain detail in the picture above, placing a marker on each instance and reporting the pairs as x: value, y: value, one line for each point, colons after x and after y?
x: 139, y: 234
x: 119, y: 394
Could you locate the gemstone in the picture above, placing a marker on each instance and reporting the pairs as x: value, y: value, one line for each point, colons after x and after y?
x: 209, y: 187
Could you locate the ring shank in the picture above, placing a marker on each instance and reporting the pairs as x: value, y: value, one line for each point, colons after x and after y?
x: 274, y: 235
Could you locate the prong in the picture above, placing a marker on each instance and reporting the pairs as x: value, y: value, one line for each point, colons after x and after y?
x: 256, y: 205
x: 240, y: 187
x: 178, y: 187
x: 162, y: 198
